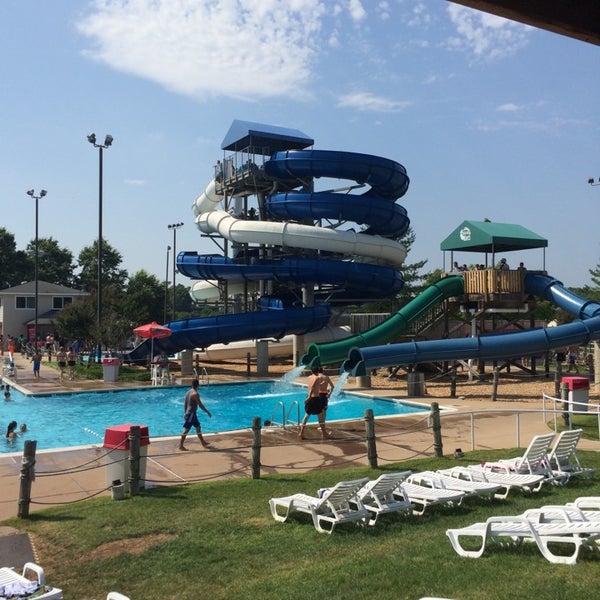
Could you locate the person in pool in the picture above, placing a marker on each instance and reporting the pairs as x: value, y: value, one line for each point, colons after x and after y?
x: 10, y: 431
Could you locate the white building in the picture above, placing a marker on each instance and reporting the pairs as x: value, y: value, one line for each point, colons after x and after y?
x: 17, y: 307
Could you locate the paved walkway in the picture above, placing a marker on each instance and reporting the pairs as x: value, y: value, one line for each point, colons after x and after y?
x: 68, y: 476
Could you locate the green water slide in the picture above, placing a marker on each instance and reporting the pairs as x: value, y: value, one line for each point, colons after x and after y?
x: 336, y: 352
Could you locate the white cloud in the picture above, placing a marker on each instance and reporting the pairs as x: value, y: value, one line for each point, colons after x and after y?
x: 366, y: 101
x: 384, y: 10
x: 508, y: 107
x: 486, y: 36
x: 357, y: 12
x: 238, y: 48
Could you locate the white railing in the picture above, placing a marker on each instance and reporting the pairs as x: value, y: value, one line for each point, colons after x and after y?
x: 567, y: 408
x: 544, y: 412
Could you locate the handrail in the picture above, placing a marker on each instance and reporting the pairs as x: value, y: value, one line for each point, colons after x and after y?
x: 282, y: 405
x: 203, y: 376
x: 297, y: 405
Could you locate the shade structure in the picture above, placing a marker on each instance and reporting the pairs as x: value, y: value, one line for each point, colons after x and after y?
x: 152, y: 331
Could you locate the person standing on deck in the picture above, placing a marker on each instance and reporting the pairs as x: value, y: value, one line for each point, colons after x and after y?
x: 190, y: 418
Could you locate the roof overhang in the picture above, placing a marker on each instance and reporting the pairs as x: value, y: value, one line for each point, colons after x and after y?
x: 579, y: 19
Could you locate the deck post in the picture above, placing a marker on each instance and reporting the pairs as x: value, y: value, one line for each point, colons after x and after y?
x: 256, y: 445
x: 27, y: 476
x: 370, y: 432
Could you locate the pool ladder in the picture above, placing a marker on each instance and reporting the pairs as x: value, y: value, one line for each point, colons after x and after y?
x: 285, y: 417
x: 202, y: 376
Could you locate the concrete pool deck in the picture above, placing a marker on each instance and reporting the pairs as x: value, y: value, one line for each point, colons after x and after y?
x: 71, y: 475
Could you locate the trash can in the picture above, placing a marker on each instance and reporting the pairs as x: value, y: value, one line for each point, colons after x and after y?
x: 416, y: 383
x: 116, y: 438
x: 110, y: 369
x: 579, y: 393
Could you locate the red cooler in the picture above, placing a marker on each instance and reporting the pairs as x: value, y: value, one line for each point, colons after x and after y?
x: 116, y: 439
x: 579, y: 393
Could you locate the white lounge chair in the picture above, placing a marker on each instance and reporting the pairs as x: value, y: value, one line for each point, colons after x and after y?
x: 339, y: 504
x: 587, y: 503
x: 505, y: 481
x: 423, y: 496
x: 377, y: 496
x: 24, y: 585
x: 533, y: 462
x: 563, y: 460
x: 439, y: 479
x: 116, y: 596
x: 543, y: 526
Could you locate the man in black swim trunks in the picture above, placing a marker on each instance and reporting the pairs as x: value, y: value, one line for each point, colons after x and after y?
x: 316, y: 402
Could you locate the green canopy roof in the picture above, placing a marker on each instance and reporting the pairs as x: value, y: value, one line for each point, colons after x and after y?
x: 484, y: 236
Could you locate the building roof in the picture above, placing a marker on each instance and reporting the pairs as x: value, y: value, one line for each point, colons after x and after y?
x: 263, y: 139
x: 46, y: 318
x: 484, y: 236
x: 44, y: 287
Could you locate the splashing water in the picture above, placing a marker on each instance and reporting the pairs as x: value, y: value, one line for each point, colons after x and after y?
x: 289, y: 377
x: 339, y: 385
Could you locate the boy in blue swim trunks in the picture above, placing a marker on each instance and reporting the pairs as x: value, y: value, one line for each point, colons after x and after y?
x: 190, y: 418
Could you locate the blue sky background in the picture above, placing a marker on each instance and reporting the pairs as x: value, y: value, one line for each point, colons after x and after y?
x: 492, y: 119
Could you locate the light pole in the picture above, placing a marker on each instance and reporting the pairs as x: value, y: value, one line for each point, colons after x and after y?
x: 36, y: 197
x: 174, y: 227
x: 108, y: 140
x: 166, y: 284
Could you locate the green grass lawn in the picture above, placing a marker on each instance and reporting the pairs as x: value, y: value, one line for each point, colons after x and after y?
x: 218, y: 540
x: 95, y: 371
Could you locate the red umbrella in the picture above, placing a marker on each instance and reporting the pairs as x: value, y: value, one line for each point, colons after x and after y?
x: 152, y: 331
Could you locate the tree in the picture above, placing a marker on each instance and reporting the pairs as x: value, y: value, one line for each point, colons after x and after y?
x: 185, y: 306
x: 14, y: 264
x: 112, y: 274
x: 143, y: 301
x: 77, y: 321
x: 55, y: 264
x: 413, y: 280
x: 595, y: 273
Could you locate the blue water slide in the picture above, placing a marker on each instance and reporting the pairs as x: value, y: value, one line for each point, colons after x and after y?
x: 222, y: 329
x: 493, y: 346
x: 386, y: 180
x: 384, y: 217
x: 375, y: 280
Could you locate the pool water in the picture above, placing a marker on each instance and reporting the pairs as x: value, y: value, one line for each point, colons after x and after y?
x: 80, y: 419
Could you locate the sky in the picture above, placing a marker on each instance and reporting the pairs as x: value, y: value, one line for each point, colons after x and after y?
x: 492, y: 119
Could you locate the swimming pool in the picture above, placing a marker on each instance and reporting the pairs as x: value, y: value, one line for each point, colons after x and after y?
x: 80, y: 419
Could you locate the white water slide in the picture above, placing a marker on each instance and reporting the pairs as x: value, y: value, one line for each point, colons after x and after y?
x: 377, y: 249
